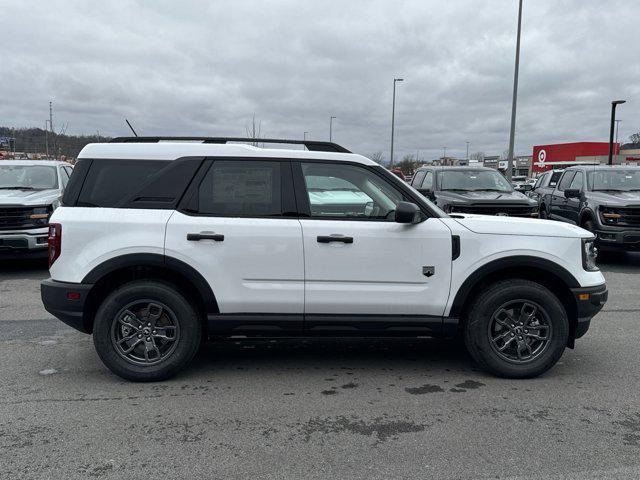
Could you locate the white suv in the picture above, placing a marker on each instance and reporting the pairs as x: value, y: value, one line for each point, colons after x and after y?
x: 163, y: 242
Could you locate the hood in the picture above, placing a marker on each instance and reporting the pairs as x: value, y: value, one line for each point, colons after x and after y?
x: 520, y: 226
x: 481, y: 196
x: 615, y: 198
x: 29, y: 197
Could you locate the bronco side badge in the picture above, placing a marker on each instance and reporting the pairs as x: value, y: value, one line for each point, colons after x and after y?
x: 428, y: 270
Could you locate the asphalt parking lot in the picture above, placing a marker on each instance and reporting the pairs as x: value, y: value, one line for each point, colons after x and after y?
x: 319, y: 408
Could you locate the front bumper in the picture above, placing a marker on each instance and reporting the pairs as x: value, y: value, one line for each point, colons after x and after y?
x: 67, y: 302
x: 618, y: 239
x: 589, y: 301
x: 20, y: 242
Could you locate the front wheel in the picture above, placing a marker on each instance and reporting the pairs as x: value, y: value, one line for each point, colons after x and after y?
x: 146, y: 331
x: 516, y: 329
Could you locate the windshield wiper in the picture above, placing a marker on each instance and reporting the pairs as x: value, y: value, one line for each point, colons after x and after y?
x: 609, y: 190
x: 17, y: 187
x: 490, y: 190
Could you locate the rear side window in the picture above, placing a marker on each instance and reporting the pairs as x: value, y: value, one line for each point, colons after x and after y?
x: 241, y: 188
x: 566, y: 180
x: 555, y: 176
x: 111, y: 181
x: 417, y: 180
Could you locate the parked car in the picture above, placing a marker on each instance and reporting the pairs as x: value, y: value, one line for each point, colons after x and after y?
x: 520, y: 184
x: 477, y: 190
x: 602, y: 199
x: 161, y: 244
x: 543, y: 190
x: 30, y: 190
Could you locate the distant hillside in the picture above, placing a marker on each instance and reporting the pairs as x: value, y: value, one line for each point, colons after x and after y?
x: 33, y: 140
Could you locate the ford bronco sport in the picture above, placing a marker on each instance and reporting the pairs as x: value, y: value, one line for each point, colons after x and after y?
x: 164, y: 242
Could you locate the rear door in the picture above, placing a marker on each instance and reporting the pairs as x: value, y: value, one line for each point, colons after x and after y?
x: 559, y: 209
x: 363, y: 270
x: 237, y: 227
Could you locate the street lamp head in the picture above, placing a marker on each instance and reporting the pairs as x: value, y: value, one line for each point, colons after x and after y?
x: 618, y: 102
x: 398, y: 79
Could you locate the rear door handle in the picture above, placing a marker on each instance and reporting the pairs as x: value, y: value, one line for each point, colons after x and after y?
x: 195, y: 237
x: 334, y: 238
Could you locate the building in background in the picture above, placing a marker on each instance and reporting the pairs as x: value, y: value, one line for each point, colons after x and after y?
x: 544, y: 156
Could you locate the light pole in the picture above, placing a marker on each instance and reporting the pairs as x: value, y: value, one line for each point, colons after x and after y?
x: 614, y: 104
x: 617, y: 129
x: 393, y: 117
x: 444, y: 153
x: 467, y: 151
x: 515, y: 98
x: 331, y: 128
x: 304, y: 135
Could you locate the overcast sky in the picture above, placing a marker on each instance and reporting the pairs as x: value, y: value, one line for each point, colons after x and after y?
x: 204, y: 67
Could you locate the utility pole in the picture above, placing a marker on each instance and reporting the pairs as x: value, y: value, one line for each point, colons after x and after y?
x: 514, y: 99
x: 331, y: 128
x: 46, y: 137
x: 467, y: 152
x: 614, y: 104
x: 393, y: 117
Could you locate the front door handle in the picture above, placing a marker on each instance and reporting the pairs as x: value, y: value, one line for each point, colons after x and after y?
x: 195, y: 237
x: 334, y: 238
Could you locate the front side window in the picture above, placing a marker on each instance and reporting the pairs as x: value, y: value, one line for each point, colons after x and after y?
x: 427, y: 183
x: 540, y: 180
x: 576, y: 183
x: 624, y: 180
x: 348, y: 192
x: 28, y: 177
x: 566, y: 180
x: 473, y: 180
x: 242, y: 188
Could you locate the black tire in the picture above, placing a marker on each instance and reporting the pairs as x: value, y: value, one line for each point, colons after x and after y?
x: 542, y: 212
x: 481, y: 319
x: 177, y: 319
x: 588, y: 225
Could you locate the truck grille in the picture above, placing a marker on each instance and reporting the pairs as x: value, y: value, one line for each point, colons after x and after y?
x: 17, y: 217
x: 623, y: 216
x: 498, y: 209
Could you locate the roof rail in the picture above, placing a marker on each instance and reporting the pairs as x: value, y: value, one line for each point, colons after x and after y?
x: 312, y: 145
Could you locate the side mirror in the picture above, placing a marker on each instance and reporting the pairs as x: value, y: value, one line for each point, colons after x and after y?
x: 427, y: 193
x: 572, y: 193
x: 407, y: 212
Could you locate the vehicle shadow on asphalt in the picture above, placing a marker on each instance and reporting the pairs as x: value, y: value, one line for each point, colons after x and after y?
x: 622, y: 262
x: 373, y: 354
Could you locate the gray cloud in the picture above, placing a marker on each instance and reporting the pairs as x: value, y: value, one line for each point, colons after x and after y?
x: 203, y: 68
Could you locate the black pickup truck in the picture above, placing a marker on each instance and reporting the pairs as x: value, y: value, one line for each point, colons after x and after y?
x: 478, y: 190
x: 602, y: 199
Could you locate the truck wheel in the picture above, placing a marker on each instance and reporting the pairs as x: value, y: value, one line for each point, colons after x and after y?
x: 542, y: 213
x: 516, y: 329
x: 146, y: 331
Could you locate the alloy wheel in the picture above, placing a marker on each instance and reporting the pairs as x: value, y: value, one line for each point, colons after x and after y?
x: 519, y: 331
x: 145, y: 332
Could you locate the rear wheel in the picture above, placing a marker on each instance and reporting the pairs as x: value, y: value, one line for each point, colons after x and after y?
x: 146, y: 331
x: 516, y: 329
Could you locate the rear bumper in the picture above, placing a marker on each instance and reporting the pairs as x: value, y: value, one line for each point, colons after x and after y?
x: 618, y: 239
x: 19, y: 242
x: 57, y: 301
x: 589, y: 301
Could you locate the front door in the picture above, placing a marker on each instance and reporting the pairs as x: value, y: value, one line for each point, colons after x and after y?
x: 235, y: 231
x: 362, y: 269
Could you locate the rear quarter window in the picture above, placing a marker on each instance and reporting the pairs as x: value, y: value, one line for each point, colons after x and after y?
x: 109, y: 182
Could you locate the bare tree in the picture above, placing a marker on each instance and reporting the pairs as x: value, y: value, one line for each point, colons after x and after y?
x: 408, y: 164
x: 254, y: 130
x: 479, y: 156
x: 635, y: 138
x: 377, y: 157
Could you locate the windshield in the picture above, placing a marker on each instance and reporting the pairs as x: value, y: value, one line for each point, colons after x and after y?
x: 473, y: 180
x: 615, y: 180
x: 28, y: 177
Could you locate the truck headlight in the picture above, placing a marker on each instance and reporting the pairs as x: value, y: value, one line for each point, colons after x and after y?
x: 589, y: 254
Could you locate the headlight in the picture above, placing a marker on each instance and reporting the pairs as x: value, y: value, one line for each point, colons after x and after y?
x: 40, y: 215
x: 589, y: 254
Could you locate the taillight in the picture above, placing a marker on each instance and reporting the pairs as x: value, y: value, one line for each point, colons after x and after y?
x: 54, y: 241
